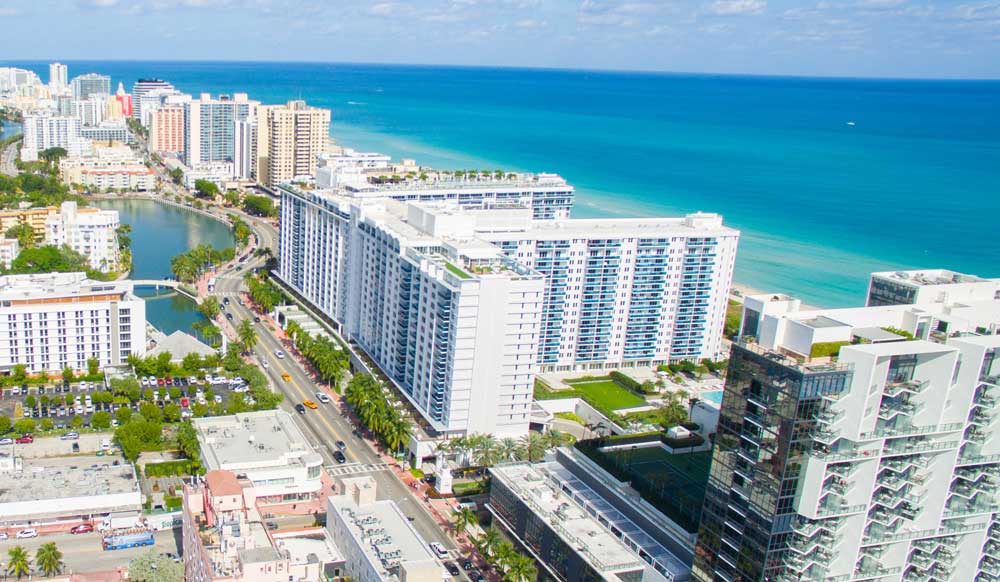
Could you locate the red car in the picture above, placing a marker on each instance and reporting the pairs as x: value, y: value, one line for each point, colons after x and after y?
x: 25, y: 439
x: 160, y: 381
x: 82, y: 528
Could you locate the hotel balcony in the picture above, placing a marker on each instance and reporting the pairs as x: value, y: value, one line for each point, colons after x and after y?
x: 825, y: 436
x: 985, y: 401
x: 885, y: 518
x: 915, y: 446
x: 964, y: 489
x: 982, y: 417
x: 992, y: 549
x: 967, y: 509
x: 872, y: 570
x: 829, y: 416
x: 809, y: 528
x: 804, y: 546
x: 837, y: 509
x: 890, y: 409
x: 802, y: 562
x: 837, y: 486
x: 909, y: 387
x: 990, y: 566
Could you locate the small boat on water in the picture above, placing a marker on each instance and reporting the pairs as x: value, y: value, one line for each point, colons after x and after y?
x: 851, y: 123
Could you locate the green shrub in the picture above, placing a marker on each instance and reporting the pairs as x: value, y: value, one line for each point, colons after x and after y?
x: 570, y: 416
x: 826, y: 349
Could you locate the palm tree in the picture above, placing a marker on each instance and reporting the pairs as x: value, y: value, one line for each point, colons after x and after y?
x: 503, y: 555
x: 464, y: 518
x: 507, y: 449
x: 19, y: 563
x: 488, y: 542
x: 247, y: 335
x: 49, y: 559
x: 486, y: 451
x: 533, y: 447
x: 557, y: 438
x: 521, y: 569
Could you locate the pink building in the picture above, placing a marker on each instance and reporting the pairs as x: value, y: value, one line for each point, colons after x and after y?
x: 166, y: 129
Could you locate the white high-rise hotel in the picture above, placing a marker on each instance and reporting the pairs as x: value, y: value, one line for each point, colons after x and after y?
x: 862, y: 443
x: 462, y: 290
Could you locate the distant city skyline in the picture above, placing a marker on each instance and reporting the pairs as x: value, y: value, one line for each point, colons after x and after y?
x: 854, y: 38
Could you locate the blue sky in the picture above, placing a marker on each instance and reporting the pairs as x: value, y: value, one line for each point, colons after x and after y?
x: 884, y: 38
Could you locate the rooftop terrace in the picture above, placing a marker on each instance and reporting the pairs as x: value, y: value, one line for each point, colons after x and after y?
x: 251, y: 440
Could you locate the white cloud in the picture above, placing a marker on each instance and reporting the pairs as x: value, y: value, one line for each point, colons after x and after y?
x: 530, y: 23
x: 737, y: 7
x: 10, y: 12
x: 382, y: 9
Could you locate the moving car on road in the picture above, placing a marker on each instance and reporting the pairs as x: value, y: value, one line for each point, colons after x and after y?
x: 339, y: 457
x: 25, y: 439
x: 27, y: 533
x: 82, y: 529
x: 300, y: 409
x: 322, y: 398
x: 279, y: 354
x: 286, y: 377
x: 310, y: 404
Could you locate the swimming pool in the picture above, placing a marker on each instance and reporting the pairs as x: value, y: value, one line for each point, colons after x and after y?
x: 714, y: 396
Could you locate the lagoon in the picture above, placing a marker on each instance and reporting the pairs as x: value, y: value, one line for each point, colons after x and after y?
x: 161, y: 231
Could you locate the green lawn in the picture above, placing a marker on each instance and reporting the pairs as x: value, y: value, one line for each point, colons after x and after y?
x: 457, y: 271
x: 607, y: 393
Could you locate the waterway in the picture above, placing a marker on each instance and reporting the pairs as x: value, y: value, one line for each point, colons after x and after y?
x: 160, y: 232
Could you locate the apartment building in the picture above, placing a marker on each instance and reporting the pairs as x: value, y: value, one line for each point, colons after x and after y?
x: 143, y: 88
x: 858, y: 444
x: 91, y: 232
x: 166, y: 129
x: 929, y: 286
x: 449, y: 318
x: 210, y: 125
x: 289, y: 137
x: 111, y: 167
x: 34, y: 217
x: 378, y: 541
x: 9, y: 248
x: 90, y: 84
x: 58, y: 77
x: 43, y: 131
x: 108, y: 131
x: 51, y: 321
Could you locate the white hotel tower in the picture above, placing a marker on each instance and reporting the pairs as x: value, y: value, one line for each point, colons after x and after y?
x: 461, y: 298
x: 860, y: 444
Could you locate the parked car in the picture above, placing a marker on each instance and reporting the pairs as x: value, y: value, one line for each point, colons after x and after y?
x: 6, y: 441
x: 82, y: 528
x: 25, y: 439
x: 3, y: 535
x: 70, y: 436
x: 439, y: 550
x: 468, y: 566
x: 256, y: 319
x: 452, y: 568
x: 27, y: 533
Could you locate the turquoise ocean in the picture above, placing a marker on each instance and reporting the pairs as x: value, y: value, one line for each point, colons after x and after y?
x: 828, y: 179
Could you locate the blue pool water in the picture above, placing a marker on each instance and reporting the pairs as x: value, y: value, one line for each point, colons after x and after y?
x: 715, y: 396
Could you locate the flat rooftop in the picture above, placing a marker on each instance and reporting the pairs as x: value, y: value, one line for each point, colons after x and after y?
x: 251, y: 440
x: 382, y: 530
x: 58, y: 285
x: 309, y: 548
x: 64, y: 484
x: 535, y: 485
x: 921, y: 277
x: 438, y: 180
x: 690, y: 225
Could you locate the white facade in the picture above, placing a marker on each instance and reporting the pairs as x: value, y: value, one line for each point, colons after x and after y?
x: 377, y: 539
x: 86, y: 85
x: 210, y: 126
x: 9, y: 247
x: 929, y: 286
x: 44, y: 131
x: 266, y: 446
x: 90, y: 111
x: 900, y: 458
x: 91, y: 232
x: 450, y: 319
x: 56, y: 320
x: 245, y: 148
x: 114, y: 167
x: 58, y: 77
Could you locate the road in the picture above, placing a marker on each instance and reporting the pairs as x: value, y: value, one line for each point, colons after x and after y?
x: 7, y: 158
x: 326, y: 424
x: 83, y: 552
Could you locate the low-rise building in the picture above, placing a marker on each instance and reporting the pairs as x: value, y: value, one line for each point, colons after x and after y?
x: 34, y: 217
x: 224, y: 538
x: 579, y: 523
x: 108, y: 131
x: 9, y: 247
x: 48, y: 491
x: 111, y: 167
x: 929, y: 286
x: 378, y: 542
x: 92, y: 232
x: 266, y: 448
x: 58, y: 320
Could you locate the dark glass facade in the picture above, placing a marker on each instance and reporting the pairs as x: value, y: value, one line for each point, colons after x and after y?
x: 766, y: 428
x: 882, y: 292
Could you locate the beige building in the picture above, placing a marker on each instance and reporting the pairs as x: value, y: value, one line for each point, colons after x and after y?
x: 288, y: 139
x: 166, y: 129
x: 36, y: 217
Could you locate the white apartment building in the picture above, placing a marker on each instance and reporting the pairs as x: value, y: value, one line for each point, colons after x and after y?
x: 9, y: 248
x: 245, y: 149
x: 43, y: 131
x: 210, y: 125
x: 91, y: 232
x: 448, y: 317
x: 267, y: 448
x: 378, y: 542
x: 858, y: 444
x: 929, y: 286
x: 114, y: 167
x: 51, y: 321
x: 90, y: 111
x: 58, y: 77
x: 332, y: 162
x: 143, y: 88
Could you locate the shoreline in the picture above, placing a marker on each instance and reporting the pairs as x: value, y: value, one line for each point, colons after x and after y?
x: 738, y: 291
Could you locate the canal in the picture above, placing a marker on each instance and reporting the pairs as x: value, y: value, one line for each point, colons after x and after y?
x: 160, y: 232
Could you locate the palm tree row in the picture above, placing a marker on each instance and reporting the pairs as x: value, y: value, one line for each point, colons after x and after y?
x: 326, y: 356
x: 48, y: 559
x: 485, y: 450
x: 379, y: 410
x: 247, y: 335
x: 262, y: 292
x: 512, y: 565
x: 187, y: 267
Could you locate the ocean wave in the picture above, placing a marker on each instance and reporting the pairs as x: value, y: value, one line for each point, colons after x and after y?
x: 356, y: 103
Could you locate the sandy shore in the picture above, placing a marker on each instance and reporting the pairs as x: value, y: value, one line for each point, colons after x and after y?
x: 739, y: 291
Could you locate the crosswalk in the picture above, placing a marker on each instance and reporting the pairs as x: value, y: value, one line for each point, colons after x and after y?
x: 355, y: 468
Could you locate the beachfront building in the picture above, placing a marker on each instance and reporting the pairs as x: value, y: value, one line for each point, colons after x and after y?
x: 289, y: 137
x: 43, y: 131
x: 929, y: 286
x: 268, y: 449
x: 90, y: 84
x: 141, y: 89
x: 622, y: 292
x: 210, y: 125
x: 225, y: 539
x: 108, y: 131
x: 58, y: 77
x: 62, y: 491
x: 58, y: 320
x: 580, y: 523
x: 91, y: 110
x: 92, y: 232
x: 378, y: 542
x: 857, y: 444
x: 449, y: 318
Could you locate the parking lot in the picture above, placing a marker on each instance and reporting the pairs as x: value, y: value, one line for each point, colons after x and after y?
x: 62, y: 403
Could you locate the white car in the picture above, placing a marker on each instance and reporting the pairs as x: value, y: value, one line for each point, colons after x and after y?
x: 279, y: 354
x: 322, y: 398
x: 3, y: 535
x: 218, y: 398
x: 7, y: 441
x: 144, y: 382
x: 264, y: 363
x: 27, y: 533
